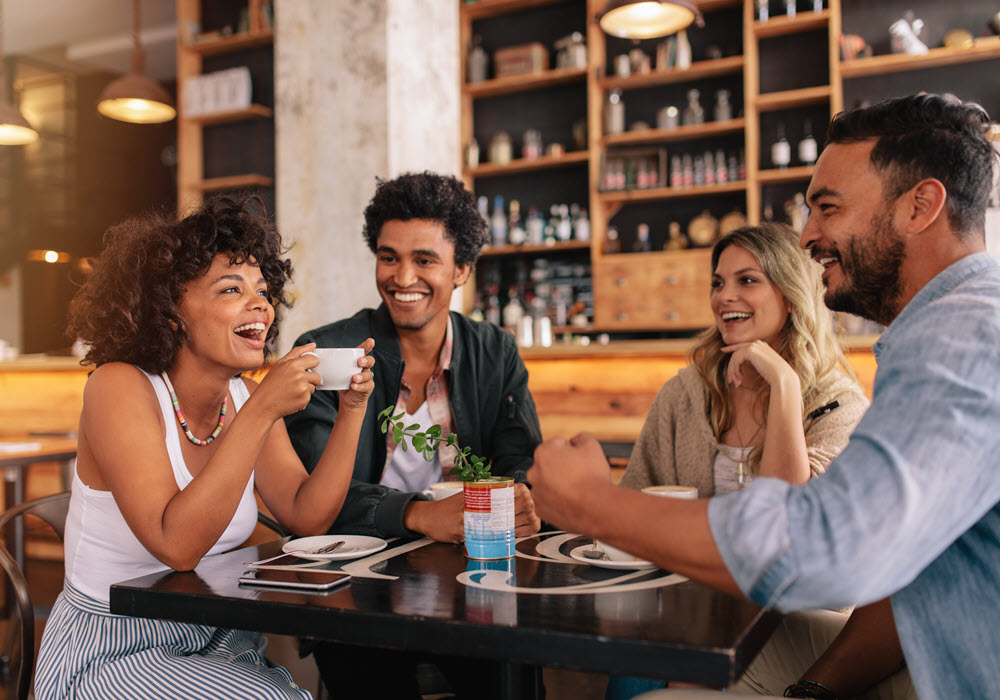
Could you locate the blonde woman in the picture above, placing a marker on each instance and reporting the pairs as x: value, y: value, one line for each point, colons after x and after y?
x: 768, y: 392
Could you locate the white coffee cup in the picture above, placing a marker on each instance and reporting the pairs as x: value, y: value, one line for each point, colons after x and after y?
x: 336, y: 366
x: 443, y: 489
x: 615, y: 554
x: 672, y: 491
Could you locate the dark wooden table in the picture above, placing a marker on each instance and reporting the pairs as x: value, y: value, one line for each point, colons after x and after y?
x: 541, y: 608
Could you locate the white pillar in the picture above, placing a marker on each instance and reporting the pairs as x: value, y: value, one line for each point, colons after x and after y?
x: 363, y: 89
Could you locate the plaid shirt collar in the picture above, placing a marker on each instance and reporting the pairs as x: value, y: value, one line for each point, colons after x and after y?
x: 436, y: 393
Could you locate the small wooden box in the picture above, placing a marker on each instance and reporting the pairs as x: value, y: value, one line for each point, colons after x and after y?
x: 521, y: 59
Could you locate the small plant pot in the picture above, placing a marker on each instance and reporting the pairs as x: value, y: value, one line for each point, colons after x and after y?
x: 489, y: 518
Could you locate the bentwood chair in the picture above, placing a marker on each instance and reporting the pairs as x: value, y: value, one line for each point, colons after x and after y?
x: 53, y: 510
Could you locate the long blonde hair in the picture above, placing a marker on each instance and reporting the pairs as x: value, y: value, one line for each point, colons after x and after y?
x: 807, y: 342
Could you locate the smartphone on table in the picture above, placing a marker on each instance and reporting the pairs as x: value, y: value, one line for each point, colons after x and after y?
x: 301, y: 579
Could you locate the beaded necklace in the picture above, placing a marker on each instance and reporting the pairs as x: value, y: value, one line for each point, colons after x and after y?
x: 180, y: 416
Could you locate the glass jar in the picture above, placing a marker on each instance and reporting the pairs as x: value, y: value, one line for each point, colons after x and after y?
x: 614, y: 113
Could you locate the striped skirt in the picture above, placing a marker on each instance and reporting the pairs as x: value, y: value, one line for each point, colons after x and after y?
x: 87, y: 652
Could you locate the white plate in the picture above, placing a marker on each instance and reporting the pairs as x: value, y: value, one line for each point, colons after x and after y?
x: 577, y: 554
x: 354, y: 546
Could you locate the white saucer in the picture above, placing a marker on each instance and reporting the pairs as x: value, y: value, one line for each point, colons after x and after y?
x: 577, y: 554
x: 354, y: 546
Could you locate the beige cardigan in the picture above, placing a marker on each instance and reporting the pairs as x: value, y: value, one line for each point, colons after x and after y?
x: 676, y: 444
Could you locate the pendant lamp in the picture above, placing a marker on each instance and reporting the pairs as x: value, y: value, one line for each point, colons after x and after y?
x: 14, y: 128
x: 647, y: 19
x: 136, y: 97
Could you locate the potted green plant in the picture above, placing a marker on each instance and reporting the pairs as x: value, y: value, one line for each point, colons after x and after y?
x: 489, y: 500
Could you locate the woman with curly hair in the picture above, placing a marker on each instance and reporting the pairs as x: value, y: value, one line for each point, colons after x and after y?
x: 768, y: 393
x: 172, y: 443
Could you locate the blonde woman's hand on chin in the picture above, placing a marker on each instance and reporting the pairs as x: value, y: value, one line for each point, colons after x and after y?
x: 760, y: 358
x: 362, y: 383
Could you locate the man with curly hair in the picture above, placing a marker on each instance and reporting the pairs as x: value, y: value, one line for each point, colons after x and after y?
x: 439, y: 367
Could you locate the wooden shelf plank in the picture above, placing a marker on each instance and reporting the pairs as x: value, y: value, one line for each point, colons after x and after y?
x: 524, y: 83
x: 943, y: 56
x: 774, y: 176
x: 681, y: 133
x: 236, y: 42
x: 522, y: 165
x: 801, y: 22
x: 699, y: 70
x: 234, y: 182
x: 793, y: 98
x: 481, y: 9
x: 662, y: 193
x: 560, y: 247
x: 252, y: 112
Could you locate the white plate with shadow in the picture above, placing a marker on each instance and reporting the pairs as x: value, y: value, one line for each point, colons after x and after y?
x: 354, y: 546
x: 578, y: 554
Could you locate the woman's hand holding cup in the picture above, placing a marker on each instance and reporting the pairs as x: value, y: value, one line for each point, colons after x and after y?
x: 362, y: 383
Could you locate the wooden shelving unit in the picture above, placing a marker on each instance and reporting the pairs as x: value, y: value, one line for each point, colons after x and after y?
x: 699, y: 70
x: 494, y: 251
x: 657, y: 194
x: 524, y: 83
x: 983, y: 50
x: 234, y: 42
x: 191, y: 182
x: 236, y: 182
x: 522, y: 165
x: 239, y: 115
x: 773, y: 177
x: 681, y: 133
x: 483, y: 9
x: 801, y: 22
x: 787, y: 99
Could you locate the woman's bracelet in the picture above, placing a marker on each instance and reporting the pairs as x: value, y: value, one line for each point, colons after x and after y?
x: 810, y: 689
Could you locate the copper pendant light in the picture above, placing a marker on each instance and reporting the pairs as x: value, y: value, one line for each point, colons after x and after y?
x: 647, y: 19
x: 14, y: 128
x: 136, y: 97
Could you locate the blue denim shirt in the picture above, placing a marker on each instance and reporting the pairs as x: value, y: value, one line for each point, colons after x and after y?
x: 910, y: 507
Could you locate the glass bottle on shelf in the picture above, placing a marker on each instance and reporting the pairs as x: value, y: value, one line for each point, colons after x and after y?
x: 709, y: 168
x: 535, y: 227
x: 513, y: 312
x: 531, y: 144
x: 807, y: 146
x: 476, y: 313
x: 581, y: 225
x: 493, y: 305
x: 693, y: 113
x: 641, y: 244
x: 676, y: 177
x: 483, y: 204
x: 516, y: 235
x: 723, y: 110
x: 687, y: 171
x: 790, y: 8
x: 732, y: 168
x: 551, y: 224
x: 721, y: 171
x: 675, y: 238
x: 564, y: 227
x: 472, y: 153
x: 817, y: 5
x: 699, y: 171
x: 614, y: 113
x: 762, y: 10
x: 683, y: 50
x: 612, y: 244
x: 498, y: 222
x: 478, y: 64
x: 781, y: 151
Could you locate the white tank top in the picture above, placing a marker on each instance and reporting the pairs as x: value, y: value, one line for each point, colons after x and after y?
x: 100, y: 549
x: 408, y: 471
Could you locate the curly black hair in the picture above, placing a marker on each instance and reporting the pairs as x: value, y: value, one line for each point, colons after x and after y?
x: 128, y: 309
x: 928, y: 136
x: 429, y: 196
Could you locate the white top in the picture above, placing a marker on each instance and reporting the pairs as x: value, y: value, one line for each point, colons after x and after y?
x: 100, y: 549
x: 409, y: 471
x: 726, y: 466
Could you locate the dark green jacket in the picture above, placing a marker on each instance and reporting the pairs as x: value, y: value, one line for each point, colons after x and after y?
x: 492, y: 409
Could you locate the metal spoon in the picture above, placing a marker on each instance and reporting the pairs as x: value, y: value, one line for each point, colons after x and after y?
x: 593, y: 553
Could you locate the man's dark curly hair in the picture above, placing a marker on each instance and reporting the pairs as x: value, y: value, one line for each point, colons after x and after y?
x: 429, y: 196
x: 128, y: 309
x: 928, y: 136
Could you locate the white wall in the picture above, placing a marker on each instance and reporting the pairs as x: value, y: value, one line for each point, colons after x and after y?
x: 364, y: 89
x: 10, y: 303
